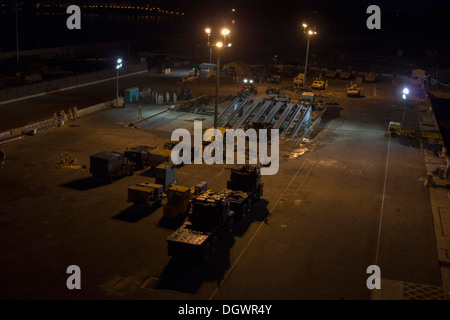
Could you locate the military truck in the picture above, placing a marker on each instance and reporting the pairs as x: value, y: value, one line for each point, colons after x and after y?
x: 244, y: 188
x: 146, y: 194
x: 307, y: 99
x: 210, y: 221
x: 158, y: 156
x: 179, y: 200
x: 109, y: 166
x: 140, y: 155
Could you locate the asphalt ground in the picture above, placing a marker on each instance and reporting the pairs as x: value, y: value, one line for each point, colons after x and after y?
x: 355, y: 199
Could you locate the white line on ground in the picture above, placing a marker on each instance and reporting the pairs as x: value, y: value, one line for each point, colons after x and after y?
x: 384, y: 195
x: 261, y: 224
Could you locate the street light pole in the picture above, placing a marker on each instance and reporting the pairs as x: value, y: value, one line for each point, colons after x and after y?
x: 118, y: 66
x: 308, y: 33
x: 216, y: 106
x: 306, y: 63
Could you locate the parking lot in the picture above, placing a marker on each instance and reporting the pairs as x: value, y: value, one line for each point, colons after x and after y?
x: 325, y: 217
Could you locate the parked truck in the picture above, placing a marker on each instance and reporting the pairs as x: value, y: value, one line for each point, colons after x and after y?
x: 211, y: 220
x: 146, y: 194
x: 179, y: 199
x: 244, y: 187
x: 141, y: 155
x: 109, y: 166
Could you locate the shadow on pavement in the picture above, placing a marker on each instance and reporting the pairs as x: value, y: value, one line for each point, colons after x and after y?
x: 259, y: 212
x: 134, y: 213
x: 83, y: 184
x: 187, y: 275
x: 172, y: 223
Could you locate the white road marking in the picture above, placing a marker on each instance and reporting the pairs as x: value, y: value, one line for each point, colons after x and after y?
x: 384, y: 195
x: 254, y: 235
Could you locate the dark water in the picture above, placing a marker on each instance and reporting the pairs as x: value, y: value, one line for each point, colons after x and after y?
x: 49, y: 29
x: 261, y: 28
x: 441, y: 109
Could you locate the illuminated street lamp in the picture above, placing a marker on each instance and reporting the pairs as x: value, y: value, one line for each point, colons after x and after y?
x: 309, y: 33
x: 405, y: 93
x: 118, y: 66
x: 208, y: 32
x: 225, y: 33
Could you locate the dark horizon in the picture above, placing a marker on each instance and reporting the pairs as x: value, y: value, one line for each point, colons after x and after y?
x: 260, y: 27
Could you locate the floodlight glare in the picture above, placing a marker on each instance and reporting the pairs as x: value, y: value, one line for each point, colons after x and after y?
x: 245, y: 80
x: 406, y: 91
x: 404, y: 96
x: 219, y: 44
x: 208, y: 30
x: 119, y: 61
x: 225, y: 32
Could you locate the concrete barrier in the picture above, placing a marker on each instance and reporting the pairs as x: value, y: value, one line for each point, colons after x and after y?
x: 5, y: 135
x: 48, y: 123
x: 85, y: 111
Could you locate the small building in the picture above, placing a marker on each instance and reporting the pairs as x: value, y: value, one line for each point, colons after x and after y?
x: 238, y: 68
x: 131, y: 95
x: 207, y: 70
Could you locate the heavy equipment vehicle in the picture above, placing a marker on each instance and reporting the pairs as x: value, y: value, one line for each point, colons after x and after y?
x: 244, y: 187
x: 140, y: 155
x: 281, y: 97
x: 319, y: 83
x: 210, y: 221
x: 146, y: 194
x: 248, y: 89
x: 395, y: 129
x: 307, y: 99
x: 353, y: 90
x: 298, y: 80
x: 109, y: 166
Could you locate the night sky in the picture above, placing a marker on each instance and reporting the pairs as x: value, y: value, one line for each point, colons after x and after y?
x: 261, y: 27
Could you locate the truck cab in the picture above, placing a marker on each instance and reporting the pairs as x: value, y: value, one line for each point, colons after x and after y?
x: 140, y: 155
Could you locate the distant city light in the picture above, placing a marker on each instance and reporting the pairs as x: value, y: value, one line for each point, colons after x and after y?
x: 225, y: 32
x: 119, y: 61
x: 406, y: 91
x: 208, y: 30
x: 219, y: 44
